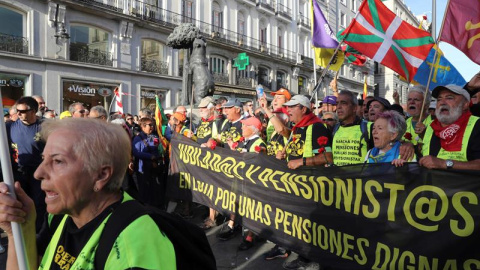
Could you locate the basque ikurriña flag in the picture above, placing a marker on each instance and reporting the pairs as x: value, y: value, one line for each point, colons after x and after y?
x: 324, y: 40
x: 379, y: 34
x: 443, y: 72
x: 461, y: 27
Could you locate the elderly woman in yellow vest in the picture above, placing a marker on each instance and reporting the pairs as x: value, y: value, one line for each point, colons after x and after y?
x: 82, y: 171
x: 388, y: 130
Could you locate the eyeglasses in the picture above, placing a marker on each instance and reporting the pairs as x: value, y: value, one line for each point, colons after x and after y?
x: 23, y: 111
x: 328, y: 119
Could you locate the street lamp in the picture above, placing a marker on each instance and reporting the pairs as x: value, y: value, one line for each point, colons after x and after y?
x: 57, y: 17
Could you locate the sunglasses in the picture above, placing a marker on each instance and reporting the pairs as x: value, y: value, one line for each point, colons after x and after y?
x: 23, y: 111
x: 328, y: 119
x: 81, y: 111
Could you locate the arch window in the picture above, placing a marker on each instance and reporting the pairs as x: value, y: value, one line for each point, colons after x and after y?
x: 281, y: 79
x: 90, y: 44
x: 263, y: 77
x: 241, y: 28
x: 12, y: 31
x: 153, y: 57
x: 302, y: 87
x: 187, y: 11
x: 217, y: 17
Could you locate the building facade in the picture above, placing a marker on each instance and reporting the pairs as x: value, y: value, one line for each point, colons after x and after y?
x: 81, y: 51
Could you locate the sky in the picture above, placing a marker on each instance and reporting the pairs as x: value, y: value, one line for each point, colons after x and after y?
x: 462, y: 63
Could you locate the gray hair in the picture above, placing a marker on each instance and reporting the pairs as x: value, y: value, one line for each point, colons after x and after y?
x: 146, y: 112
x: 89, y: 136
x: 422, y: 90
x: 350, y: 95
x: 71, y: 108
x: 334, y: 115
x: 100, y: 110
x: 395, y: 123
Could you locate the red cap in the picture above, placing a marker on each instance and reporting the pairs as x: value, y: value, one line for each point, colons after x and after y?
x: 252, y: 121
x: 282, y: 91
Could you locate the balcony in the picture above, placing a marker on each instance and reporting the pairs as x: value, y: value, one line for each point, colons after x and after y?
x: 81, y: 53
x: 154, y: 66
x: 307, y: 61
x: 220, y: 77
x: 245, y: 82
x: 113, y: 5
x: 251, y: 3
x: 13, y: 44
x: 284, y: 13
x: 304, y: 23
x: 266, y: 7
x: 168, y: 20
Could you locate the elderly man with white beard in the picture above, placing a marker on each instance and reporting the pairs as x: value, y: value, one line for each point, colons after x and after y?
x: 417, y: 123
x: 451, y: 140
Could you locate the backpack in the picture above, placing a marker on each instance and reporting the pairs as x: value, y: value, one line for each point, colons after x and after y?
x: 192, y: 250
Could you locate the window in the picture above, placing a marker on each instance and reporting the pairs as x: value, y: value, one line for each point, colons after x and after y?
x: 281, y: 79
x: 153, y: 57
x: 263, y: 35
x: 344, y: 2
x: 353, y: 5
x: 12, y: 31
x: 217, y: 17
x: 263, y: 77
x: 343, y: 20
x: 217, y: 65
x: 90, y: 44
x: 301, y: 85
x: 187, y: 11
x: 352, y: 73
x: 241, y: 24
x: 280, y: 38
x: 147, y: 97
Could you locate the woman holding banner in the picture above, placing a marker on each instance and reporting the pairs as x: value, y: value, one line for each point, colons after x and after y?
x: 84, y: 163
x: 388, y: 130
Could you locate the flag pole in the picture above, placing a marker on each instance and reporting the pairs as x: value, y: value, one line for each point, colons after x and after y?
x: 315, y: 77
x: 8, y: 179
x: 324, y: 71
x: 436, y: 50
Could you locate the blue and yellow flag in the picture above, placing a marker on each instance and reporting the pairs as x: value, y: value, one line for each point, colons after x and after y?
x: 443, y: 71
x: 324, y: 40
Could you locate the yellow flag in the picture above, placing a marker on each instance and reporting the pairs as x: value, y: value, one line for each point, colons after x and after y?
x: 322, y: 57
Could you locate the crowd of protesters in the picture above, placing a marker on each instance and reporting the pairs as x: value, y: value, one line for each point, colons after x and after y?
x: 341, y: 130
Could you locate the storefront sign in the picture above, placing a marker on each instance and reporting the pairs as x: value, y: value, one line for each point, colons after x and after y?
x: 104, y: 92
x: 16, y: 83
x: 150, y: 94
x: 82, y: 91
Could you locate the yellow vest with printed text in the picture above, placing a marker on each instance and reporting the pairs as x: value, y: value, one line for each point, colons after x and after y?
x: 348, y: 146
x: 444, y: 154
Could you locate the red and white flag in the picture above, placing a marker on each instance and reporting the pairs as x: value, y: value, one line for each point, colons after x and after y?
x: 461, y: 27
x: 117, y: 103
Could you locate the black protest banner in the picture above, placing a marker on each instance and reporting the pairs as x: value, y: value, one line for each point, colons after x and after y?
x: 354, y: 217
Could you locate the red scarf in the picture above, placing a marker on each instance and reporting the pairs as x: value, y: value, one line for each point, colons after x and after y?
x: 451, y: 136
x: 307, y: 120
x: 209, y: 119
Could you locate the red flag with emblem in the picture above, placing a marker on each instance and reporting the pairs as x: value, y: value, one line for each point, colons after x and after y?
x: 461, y: 27
x: 379, y: 34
